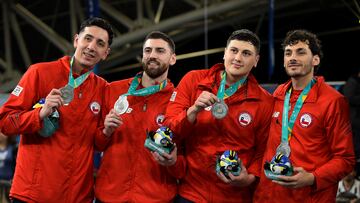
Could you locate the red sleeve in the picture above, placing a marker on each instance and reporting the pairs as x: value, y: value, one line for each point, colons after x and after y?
x: 338, y: 132
x: 17, y: 115
x: 261, y: 136
x: 180, y: 102
x: 176, y: 119
x: 101, y: 141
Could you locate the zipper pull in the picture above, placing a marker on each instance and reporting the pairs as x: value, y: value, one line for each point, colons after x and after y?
x: 144, y: 107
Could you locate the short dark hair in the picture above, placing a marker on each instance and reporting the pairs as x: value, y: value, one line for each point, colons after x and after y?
x: 245, y: 35
x: 163, y: 36
x: 99, y: 22
x: 309, y: 38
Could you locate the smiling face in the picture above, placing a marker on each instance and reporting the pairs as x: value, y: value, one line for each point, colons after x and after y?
x: 91, y: 46
x: 239, y: 58
x: 299, y: 61
x: 157, y: 57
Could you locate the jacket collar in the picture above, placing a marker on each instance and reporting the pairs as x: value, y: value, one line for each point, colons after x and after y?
x: 65, y: 60
x: 169, y: 85
x: 313, y: 94
x: 212, y: 82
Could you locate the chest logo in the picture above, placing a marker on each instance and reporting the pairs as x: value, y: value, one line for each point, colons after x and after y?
x: 245, y: 119
x: 305, y: 120
x: 95, y: 108
x: 160, y: 119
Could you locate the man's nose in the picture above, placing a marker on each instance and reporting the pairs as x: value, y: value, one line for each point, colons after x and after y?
x: 92, y: 45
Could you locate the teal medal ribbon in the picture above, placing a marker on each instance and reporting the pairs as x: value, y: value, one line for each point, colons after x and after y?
x: 280, y: 164
x: 121, y: 105
x: 67, y: 92
x: 51, y: 123
x: 288, y: 125
x: 219, y: 110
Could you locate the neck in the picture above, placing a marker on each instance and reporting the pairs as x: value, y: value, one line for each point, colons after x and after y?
x: 147, y: 81
x: 230, y: 79
x: 77, y: 67
x: 300, y: 83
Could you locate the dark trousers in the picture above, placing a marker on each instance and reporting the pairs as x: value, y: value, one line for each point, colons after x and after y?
x: 17, y: 201
x: 179, y: 199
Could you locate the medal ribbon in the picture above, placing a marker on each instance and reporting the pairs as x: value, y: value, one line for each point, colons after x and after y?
x: 222, y: 93
x: 288, y: 125
x: 144, y: 91
x: 74, y: 83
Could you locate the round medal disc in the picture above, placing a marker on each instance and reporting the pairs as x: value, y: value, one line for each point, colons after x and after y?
x: 284, y: 149
x: 67, y: 94
x: 219, y: 110
x: 121, y: 105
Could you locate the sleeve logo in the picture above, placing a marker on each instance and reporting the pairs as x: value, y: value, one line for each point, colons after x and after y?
x: 173, y: 96
x: 17, y: 90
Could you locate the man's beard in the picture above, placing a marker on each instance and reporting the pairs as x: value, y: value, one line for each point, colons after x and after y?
x: 154, y: 72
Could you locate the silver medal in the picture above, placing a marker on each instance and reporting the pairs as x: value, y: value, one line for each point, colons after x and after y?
x: 67, y: 94
x: 219, y: 110
x: 121, y: 105
x: 284, y: 149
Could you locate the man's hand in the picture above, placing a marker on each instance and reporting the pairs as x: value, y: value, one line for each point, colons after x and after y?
x: 166, y: 159
x: 300, y: 179
x: 242, y: 180
x: 112, y: 121
x: 204, y: 100
x: 52, y: 101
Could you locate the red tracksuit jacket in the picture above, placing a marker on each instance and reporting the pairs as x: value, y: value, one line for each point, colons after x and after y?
x: 321, y: 143
x: 128, y: 172
x: 58, y: 168
x: 244, y: 129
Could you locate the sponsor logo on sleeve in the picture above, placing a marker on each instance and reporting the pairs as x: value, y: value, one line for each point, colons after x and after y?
x: 173, y: 96
x: 18, y: 89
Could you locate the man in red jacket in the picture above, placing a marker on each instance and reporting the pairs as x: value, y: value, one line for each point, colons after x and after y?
x: 310, y: 125
x: 55, y: 107
x: 218, y: 109
x: 128, y: 171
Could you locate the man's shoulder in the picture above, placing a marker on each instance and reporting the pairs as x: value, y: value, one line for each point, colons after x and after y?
x: 328, y: 92
x: 46, y: 65
x: 120, y: 83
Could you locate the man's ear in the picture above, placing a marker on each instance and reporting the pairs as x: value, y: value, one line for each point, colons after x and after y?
x: 316, y: 60
x: 107, y: 52
x: 76, y: 39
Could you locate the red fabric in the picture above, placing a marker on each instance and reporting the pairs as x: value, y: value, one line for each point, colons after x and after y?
x: 322, y: 146
x: 128, y: 172
x: 208, y: 137
x: 58, y: 168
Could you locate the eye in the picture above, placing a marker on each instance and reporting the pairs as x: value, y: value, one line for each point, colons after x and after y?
x: 302, y: 52
x: 161, y: 50
x: 287, y: 53
x: 247, y: 53
x: 147, y: 50
x: 234, y: 51
x: 101, y: 44
x: 88, y: 38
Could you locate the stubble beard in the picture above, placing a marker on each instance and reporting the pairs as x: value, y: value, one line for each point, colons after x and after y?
x: 155, y: 72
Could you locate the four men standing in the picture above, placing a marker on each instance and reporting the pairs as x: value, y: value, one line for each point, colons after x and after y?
x: 57, y: 107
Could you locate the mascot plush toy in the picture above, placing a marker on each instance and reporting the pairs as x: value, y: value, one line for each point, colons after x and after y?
x: 160, y: 140
x: 279, y: 165
x: 228, y: 163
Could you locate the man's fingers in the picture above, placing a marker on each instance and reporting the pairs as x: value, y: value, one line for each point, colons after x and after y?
x: 222, y: 177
